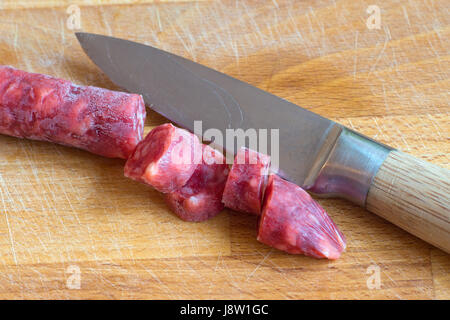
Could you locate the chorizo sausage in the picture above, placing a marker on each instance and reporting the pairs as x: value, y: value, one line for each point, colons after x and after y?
x: 41, y: 107
x: 165, y: 159
x: 200, y: 198
x: 246, y: 182
x: 293, y: 222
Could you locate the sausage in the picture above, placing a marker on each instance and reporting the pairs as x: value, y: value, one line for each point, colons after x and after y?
x: 247, y: 181
x: 165, y: 159
x: 41, y: 107
x: 192, y: 175
x: 293, y: 222
x: 200, y: 198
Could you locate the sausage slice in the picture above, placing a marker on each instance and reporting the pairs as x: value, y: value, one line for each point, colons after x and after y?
x: 247, y: 181
x: 165, y: 159
x: 293, y: 222
x: 200, y: 198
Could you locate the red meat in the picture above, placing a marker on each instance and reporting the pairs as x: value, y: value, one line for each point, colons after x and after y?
x: 247, y: 181
x: 200, y: 199
x: 165, y: 159
x: 293, y: 222
x: 41, y: 107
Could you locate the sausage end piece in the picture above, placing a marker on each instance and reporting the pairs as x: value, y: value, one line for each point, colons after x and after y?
x: 40, y: 107
x: 293, y: 222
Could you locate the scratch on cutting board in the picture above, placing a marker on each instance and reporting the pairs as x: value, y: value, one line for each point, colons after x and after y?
x: 379, y: 129
x: 386, y: 105
x: 48, y: 206
x: 105, y: 21
x: 190, y: 49
x: 413, y: 129
x: 231, y: 277
x: 158, y: 18
x: 75, y: 213
x: 351, y: 124
x: 252, y: 21
x: 16, y: 37
x: 259, y: 264
x: 355, y: 59
x: 158, y: 280
x: 395, y: 64
x: 405, y: 14
x: 275, y: 3
x: 433, y: 121
x: 279, y: 270
x: 403, y: 139
x: 299, y: 35
x: 386, y: 40
x: 11, y: 238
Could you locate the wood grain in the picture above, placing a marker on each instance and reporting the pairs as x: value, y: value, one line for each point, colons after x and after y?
x: 414, y: 195
x: 63, y: 207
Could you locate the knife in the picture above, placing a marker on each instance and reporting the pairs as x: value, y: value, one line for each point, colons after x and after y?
x: 322, y: 156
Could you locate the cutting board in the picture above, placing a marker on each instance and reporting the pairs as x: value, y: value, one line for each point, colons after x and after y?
x: 71, y: 225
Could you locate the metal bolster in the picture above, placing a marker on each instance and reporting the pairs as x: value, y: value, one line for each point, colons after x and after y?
x: 347, y: 169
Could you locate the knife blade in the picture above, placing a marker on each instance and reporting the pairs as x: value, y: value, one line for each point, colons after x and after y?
x: 184, y: 91
x: 316, y: 153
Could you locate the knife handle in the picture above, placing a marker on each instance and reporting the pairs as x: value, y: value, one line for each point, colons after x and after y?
x: 414, y: 195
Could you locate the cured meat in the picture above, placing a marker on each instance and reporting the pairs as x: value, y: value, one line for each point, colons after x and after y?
x: 200, y: 198
x: 293, y: 222
x: 41, y: 107
x: 246, y: 182
x: 165, y: 159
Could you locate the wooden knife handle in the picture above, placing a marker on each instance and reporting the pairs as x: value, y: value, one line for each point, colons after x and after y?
x: 414, y: 195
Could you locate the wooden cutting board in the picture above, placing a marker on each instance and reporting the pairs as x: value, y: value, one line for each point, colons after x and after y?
x: 67, y: 215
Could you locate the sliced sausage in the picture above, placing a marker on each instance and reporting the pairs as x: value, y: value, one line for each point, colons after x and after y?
x: 200, y: 198
x: 246, y: 182
x: 293, y: 222
x: 41, y: 107
x: 165, y: 159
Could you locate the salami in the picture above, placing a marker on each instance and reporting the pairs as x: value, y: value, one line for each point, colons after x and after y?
x: 165, y: 159
x: 293, y: 222
x: 200, y: 198
x: 246, y: 182
x: 41, y: 107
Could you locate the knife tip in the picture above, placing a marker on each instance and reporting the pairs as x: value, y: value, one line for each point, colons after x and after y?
x: 83, y: 35
x: 80, y: 35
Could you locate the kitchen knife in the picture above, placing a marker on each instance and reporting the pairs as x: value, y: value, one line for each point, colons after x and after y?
x: 318, y: 154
